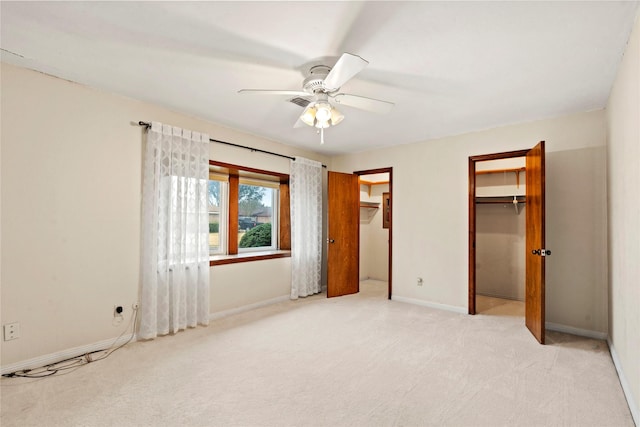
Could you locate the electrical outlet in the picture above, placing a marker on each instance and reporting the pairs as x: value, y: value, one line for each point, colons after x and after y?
x: 11, y: 331
x: 118, y: 311
x: 419, y: 281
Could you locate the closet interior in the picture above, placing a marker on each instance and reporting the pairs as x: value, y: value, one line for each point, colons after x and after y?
x: 500, y: 229
x: 374, y: 227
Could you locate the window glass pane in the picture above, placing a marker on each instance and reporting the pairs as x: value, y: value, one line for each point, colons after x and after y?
x: 256, y: 216
x: 215, y: 215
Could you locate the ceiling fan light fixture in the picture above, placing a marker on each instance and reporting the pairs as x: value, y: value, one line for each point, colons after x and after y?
x: 309, y: 115
x: 322, y: 125
x: 336, y: 116
x: 323, y: 112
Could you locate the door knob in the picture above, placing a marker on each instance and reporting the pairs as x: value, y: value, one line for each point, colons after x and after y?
x: 541, y: 252
x: 331, y: 241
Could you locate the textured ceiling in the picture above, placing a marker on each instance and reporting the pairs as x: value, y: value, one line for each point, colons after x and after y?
x: 450, y: 67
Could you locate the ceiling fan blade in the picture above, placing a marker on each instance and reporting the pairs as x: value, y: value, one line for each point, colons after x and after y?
x: 299, y: 123
x: 273, y: 92
x: 364, y: 103
x: 347, y: 66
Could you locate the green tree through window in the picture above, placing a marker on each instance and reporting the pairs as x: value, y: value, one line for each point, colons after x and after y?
x: 255, y: 213
x: 257, y: 237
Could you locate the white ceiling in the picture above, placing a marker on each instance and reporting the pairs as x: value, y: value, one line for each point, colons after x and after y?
x: 450, y: 67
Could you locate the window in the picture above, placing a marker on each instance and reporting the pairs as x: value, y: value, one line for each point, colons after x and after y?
x: 257, y: 215
x: 217, y: 201
x: 248, y: 212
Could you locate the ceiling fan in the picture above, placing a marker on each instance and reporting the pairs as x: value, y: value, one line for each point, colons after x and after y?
x: 322, y: 85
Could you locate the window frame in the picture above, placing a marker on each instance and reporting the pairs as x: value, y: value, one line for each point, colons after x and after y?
x: 283, y: 235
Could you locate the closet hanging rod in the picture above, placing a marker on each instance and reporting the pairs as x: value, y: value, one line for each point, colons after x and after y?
x: 147, y: 125
x: 498, y: 202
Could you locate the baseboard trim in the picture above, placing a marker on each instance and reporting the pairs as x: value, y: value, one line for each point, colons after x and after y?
x: 58, y: 356
x: 575, y: 331
x: 225, y: 313
x: 626, y: 389
x: 429, y: 304
x: 487, y: 294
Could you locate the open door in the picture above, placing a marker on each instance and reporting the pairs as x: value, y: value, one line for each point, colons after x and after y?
x: 535, y: 243
x: 343, y: 237
x: 536, y: 252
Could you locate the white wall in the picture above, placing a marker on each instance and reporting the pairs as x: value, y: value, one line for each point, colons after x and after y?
x: 501, y: 183
x: 71, y: 182
x: 500, y: 246
x: 374, y: 240
x: 623, y: 181
x: 431, y: 183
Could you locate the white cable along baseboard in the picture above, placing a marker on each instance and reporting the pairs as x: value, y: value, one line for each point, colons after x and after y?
x: 48, y: 359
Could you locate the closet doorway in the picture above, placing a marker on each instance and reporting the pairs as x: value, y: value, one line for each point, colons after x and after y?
x: 534, y: 247
x: 500, y: 237
x: 375, y: 225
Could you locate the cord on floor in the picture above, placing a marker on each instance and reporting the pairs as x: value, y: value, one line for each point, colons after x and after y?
x: 76, y: 362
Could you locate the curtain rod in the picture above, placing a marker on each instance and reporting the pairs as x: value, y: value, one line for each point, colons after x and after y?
x: 148, y: 125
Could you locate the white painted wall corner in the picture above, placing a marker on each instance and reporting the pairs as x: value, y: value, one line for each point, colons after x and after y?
x: 635, y: 411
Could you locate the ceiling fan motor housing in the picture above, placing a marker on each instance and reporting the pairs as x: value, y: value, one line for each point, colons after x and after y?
x: 315, y: 82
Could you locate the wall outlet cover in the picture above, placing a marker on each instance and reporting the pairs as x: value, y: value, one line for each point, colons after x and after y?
x: 11, y: 331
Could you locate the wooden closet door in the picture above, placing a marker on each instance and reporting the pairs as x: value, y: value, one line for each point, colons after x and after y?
x: 344, y: 231
x: 535, y: 243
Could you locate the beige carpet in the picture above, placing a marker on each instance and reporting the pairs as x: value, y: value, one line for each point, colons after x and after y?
x: 359, y: 360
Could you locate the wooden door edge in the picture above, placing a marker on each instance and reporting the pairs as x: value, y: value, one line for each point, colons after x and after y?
x: 472, y: 237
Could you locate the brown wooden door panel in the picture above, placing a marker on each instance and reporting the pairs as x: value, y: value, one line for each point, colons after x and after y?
x: 535, y: 239
x: 344, y: 231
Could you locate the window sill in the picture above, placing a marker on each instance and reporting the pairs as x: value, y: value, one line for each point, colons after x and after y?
x: 248, y: 257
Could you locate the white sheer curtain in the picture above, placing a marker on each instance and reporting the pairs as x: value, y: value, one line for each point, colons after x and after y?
x: 175, y: 231
x: 306, y: 227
